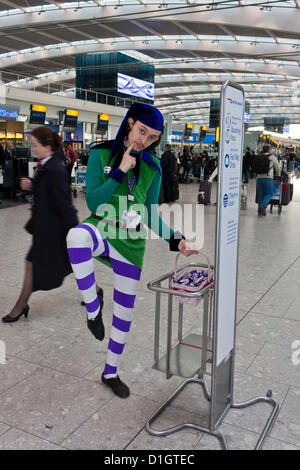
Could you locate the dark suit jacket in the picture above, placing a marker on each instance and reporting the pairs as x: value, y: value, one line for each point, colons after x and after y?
x: 53, y: 215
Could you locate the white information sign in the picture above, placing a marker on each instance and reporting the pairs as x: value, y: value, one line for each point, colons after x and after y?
x: 229, y: 191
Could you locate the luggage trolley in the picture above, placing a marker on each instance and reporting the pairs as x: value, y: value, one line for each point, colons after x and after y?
x: 192, y: 355
x: 80, y: 180
x: 277, y: 196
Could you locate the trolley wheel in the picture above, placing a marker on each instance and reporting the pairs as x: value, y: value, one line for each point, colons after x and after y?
x: 279, y: 209
x: 269, y: 393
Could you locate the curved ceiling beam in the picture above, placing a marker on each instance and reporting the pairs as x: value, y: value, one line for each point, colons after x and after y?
x: 186, y: 89
x: 231, y: 65
x: 44, y: 79
x: 253, y: 109
x: 278, y: 19
x: 221, y: 77
x: 161, y: 103
x: 223, y: 47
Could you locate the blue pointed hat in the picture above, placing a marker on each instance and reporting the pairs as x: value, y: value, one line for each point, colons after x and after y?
x: 144, y: 113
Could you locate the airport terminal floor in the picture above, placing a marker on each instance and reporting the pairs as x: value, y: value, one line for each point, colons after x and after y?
x: 51, y: 395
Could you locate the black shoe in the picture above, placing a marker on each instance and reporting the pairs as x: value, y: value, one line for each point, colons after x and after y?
x: 9, y: 319
x: 117, y: 386
x: 96, y: 325
x: 100, y: 295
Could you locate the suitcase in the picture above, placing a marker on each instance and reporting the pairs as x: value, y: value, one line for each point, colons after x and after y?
x: 287, y: 193
x: 204, y: 193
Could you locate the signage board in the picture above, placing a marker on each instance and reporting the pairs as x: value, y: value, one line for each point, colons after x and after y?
x: 102, y: 123
x: 71, y: 118
x: 188, y: 130
x: 227, y: 239
x: 8, y: 112
x: 135, y: 86
x: 37, y: 114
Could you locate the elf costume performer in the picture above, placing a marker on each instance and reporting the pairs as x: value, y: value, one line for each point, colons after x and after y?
x: 122, y: 191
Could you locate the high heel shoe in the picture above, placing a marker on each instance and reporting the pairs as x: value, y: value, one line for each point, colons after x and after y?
x: 9, y: 319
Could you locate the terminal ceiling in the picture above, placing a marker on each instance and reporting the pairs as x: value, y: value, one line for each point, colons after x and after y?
x: 194, y: 46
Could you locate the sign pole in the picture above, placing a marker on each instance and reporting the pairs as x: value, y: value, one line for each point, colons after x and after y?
x: 225, y: 283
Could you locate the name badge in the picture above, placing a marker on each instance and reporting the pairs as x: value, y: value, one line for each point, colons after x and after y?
x: 107, y: 170
x: 132, y: 218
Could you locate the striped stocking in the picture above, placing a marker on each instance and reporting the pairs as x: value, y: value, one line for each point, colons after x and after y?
x: 85, y: 242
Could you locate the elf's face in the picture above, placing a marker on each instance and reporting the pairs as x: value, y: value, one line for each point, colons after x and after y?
x: 140, y: 135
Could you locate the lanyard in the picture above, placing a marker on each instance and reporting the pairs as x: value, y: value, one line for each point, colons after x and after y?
x: 130, y: 187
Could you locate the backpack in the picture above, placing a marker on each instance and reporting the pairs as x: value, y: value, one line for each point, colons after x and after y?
x: 261, y: 164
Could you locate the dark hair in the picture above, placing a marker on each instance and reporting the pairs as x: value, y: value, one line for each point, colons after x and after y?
x: 46, y: 137
x: 168, y: 146
x: 266, y: 148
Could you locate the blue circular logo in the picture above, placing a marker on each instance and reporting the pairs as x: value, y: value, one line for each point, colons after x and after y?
x: 225, y: 200
x: 226, y: 160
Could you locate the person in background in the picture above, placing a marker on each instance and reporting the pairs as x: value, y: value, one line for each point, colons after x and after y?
x: 251, y: 164
x: 2, y: 161
x: 168, y: 164
x: 264, y: 180
x: 291, y: 158
x: 246, y: 165
x: 187, y: 164
x: 2, y: 164
x: 47, y: 262
x: 71, y: 156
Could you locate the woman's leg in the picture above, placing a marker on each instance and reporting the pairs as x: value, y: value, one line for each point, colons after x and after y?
x: 268, y: 191
x: 259, y: 194
x: 25, y: 293
x: 84, y: 242
x: 127, y: 277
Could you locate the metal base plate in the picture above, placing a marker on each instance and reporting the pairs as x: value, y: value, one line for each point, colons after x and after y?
x: 185, y: 357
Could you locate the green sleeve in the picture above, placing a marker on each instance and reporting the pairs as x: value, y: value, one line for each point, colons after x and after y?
x: 97, y: 192
x: 154, y: 221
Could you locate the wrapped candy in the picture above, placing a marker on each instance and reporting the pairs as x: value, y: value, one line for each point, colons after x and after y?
x: 191, y: 279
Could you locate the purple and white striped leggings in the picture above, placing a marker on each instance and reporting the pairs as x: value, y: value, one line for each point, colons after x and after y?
x: 85, y: 242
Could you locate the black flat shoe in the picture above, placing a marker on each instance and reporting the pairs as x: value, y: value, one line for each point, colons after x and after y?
x: 99, y: 294
x: 96, y: 325
x: 117, y: 386
x: 9, y: 319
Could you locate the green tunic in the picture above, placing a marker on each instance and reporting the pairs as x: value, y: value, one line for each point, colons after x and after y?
x: 107, y: 198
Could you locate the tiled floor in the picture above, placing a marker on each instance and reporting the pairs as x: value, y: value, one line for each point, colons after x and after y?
x: 51, y: 395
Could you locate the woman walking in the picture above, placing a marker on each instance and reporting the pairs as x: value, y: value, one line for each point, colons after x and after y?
x: 53, y: 215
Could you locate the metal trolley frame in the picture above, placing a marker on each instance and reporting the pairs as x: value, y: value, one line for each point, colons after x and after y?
x: 190, y: 356
x: 79, y: 180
